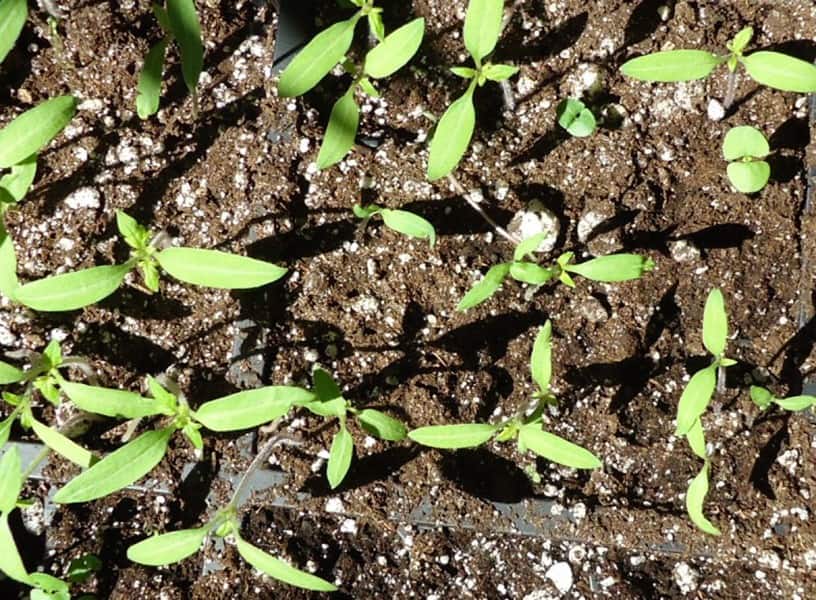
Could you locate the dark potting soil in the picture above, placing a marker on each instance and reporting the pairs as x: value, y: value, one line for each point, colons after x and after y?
x: 377, y: 309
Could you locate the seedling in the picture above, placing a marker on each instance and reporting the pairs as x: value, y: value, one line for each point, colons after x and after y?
x: 209, y: 268
x: 178, y: 20
x: 610, y: 268
x: 763, y: 398
x: 483, y: 24
x: 13, y: 14
x: 329, y: 403
x: 526, y: 429
x: 745, y: 147
x: 773, y: 69
x: 576, y: 118
x: 695, y: 399
x: 401, y: 221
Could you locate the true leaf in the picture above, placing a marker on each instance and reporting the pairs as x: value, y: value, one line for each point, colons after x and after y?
x: 395, y: 50
x: 695, y: 398
x: 576, y: 118
x: 13, y: 15
x: 541, y: 358
x: 745, y: 141
x: 167, y: 548
x: 251, y: 408
x: 464, y: 72
x: 672, y: 65
x: 529, y: 245
x: 381, y: 425
x: 11, y: 479
x: 71, y: 291
x: 183, y: 21
x: 10, y: 562
x: 336, y: 407
x: 8, y: 264
x: 213, y: 268
x: 483, y: 22
x: 324, y: 386
x: 749, y: 177
x: 317, y: 58
x: 10, y: 373
x: 485, y: 288
x: 281, y: 570
x: 341, y: 131
x: 62, y: 445
x: 695, y: 496
x: 82, y: 568
x: 53, y: 588
x: 5, y: 428
x: 613, y: 267
x: 761, y: 397
x: 134, y: 234
x: 119, y: 404
x: 119, y: 469
x: 149, y: 87
x: 499, y: 72
x: 530, y: 273
x: 409, y: 224
x: 741, y: 40
x: 464, y: 435
x: 715, y: 323
x: 34, y: 129
x: 557, y: 449
x: 340, y: 454
x: 19, y: 180
x: 365, y: 212
x: 781, y: 71
x: 376, y: 25
x: 796, y: 402
x: 452, y: 136
x: 696, y: 439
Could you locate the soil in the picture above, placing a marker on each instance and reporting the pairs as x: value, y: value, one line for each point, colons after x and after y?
x: 377, y: 309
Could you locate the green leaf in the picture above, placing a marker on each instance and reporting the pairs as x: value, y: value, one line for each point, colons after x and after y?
x: 452, y: 136
x: 613, y: 267
x: 10, y: 373
x: 715, y: 323
x: 695, y: 398
x: 745, y: 141
x: 80, y: 569
x: 340, y: 454
x: 244, y: 410
x: 696, y: 439
x: 149, y: 87
x: 557, y: 449
x: 368, y: 88
x: 409, y: 224
x: 576, y: 118
x: 161, y: 16
x: 10, y: 562
x: 365, y: 212
x: 53, y: 354
x: 483, y: 22
x: 134, y: 234
x: 13, y: 14
x: 336, y: 407
x: 62, y: 445
x: 761, y: 397
x: 119, y: 404
x: 749, y: 177
x: 216, y: 269
x: 317, y: 58
x: 529, y: 245
x: 34, y: 129
x: 183, y: 21
x: 119, y: 469
x: 541, y: 358
x: 341, y: 131
x: 280, y: 570
x: 192, y: 433
x: 796, y: 402
x: 465, y: 435
x: 160, y: 394
x: 381, y: 425
x: 54, y: 589
x: 71, y: 291
x: 464, y: 72
x: 395, y: 50
x: 499, y: 72
x: 11, y: 479
x: 488, y: 286
x: 530, y: 273
x: 5, y: 429
x: 741, y: 40
x: 324, y: 386
x: 695, y: 496
x: 672, y: 65
x: 781, y: 71
x: 8, y: 265
x: 375, y: 24
x: 167, y: 548
x: 19, y: 180
x: 150, y: 275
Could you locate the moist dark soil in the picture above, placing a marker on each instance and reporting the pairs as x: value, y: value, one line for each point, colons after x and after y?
x: 378, y: 309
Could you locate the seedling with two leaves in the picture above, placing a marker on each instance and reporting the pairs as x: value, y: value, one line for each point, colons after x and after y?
x: 209, y: 268
x: 695, y: 400
x: 574, y: 116
x: 483, y: 25
x: 763, y: 398
x: 327, y: 49
x: 13, y: 15
x: 745, y: 148
x: 610, y: 268
x: 401, y: 221
x: 178, y: 20
x: 526, y: 429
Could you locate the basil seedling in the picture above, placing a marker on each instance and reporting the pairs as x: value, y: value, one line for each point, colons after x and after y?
x: 763, y: 398
x: 401, y: 221
x: 745, y: 147
x: 576, y: 118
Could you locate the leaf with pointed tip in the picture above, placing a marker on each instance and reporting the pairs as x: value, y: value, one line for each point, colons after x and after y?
x: 483, y: 21
x: 761, y: 397
x: 10, y: 562
x: 71, y: 291
x: 216, y: 269
x: 695, y: 497
x: 557, y: 449
x: 781, y: 71
x: 529, y: 245
x: 183, y: 21
x: 244, y: 410
x: 62, y: 445
x: 452, y: 136
x: 382, y: 425
x: 149, y: 87
x: 465, y: 435
x: 395, y: 50
x: 672, y: 65
x: 484, y: 289
x: 11, y: 479
x: 341, y: 131
x: 19, y: 180
x: 281, y: 570
x: 8, y: 265
x: 499, y: 72
x: 407, y: 223
x: 796, y: 402
x: 541, y: 358
x: 119, y: 404
x: 696, y: 439
x: 10, y: 373
x: 715, y: 323
x: 613, y: 267
x: 342, y: 449
x: 13, y: 15
x: 740, y: 41
x: 5, y: 428
x: 34, y: 129
x: 695, y: 398
x: 167, y: 548
x: 530, y: 273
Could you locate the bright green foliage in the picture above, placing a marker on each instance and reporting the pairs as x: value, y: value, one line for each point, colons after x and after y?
x: 62, y: 445
x: 81, y: 569
x: 695, y: 398
x: 213, y: 268
x: 781, y: 72
x: 395, y: 50
x: 34, y: 129
x: 483, y: 22
x: 280, y: 570
x: 613, y: 268
x: 452, y: 136
x: 485, y: 288
x: 401, y: 221
x: 119, y: 404
x: 672, y: 65
x: 695, y: 497
x: 13, y: 14
x: 11, y: 479
x: 541, y: 358
x: 341, y: 131
x: 556, y: 449
x: 746, y: 147
x: 19, y: 179
x: 576, y: 118
x: 715, y: 324
x: 168, y: 548
x: 71, y: 291
x: 8, y: 264
x: 763, y: 398
x: 244, y: 410
x: 340, y: 454
x: 453, y: 436
x: 149, y: 87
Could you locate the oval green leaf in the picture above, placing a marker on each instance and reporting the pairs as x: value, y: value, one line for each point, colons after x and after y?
x: 796, y: 402
x: 696, y: 439
x: 715, y: 323
x: 149, y: 86
x: 576, y: 118
x: 19, y: 180
x: 10, y: 562
x: 488, y: 286
x: 499, y: 72
x: 244, y: 410
x: 695, y: 398
x: 342, y: 449
x: 216, y: 269
x: 745, y: 141
x: 541, y: 358
x: 11, y: 479
x: 324, y: 386
x: 341, y: 131
x: 10, y: 373
x: 672, y: 65
x: 382, y: 425
x: 8, y: 265
x: 395, y: 50
x: 464, y: 435
x: 71, y: 291
x: 119, y: 469
x: 613, y: 267
x: 452, y: 136
x: 280, y: 570
x: 407, y: 223
x: 483, y: 22
x: 119, y: 404
x: 167, y: 548
x: 530, y: 273
x: 781, y: 71
x: 62, y: 445
x: 183, y: 21
x: 761, y: 397
x: 13, y: 15
x: 529, y: 245
x: 749, y: 177
x: 695, y: 497
x: 34, y: 129
x: 5, y: 428
x: 557, y: 449
x: 336, y: 407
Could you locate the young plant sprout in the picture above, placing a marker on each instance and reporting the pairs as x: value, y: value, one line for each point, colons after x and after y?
x: 401, y: 221
x: 576, y: 118
x: 694, y: 402
x: 209, y: 268
x: 745, y: 147
x: 178, y: 20
x: 483, y: 23
x: 773, y: 69
x: 763, y: 398
x: 610, y: 268
x: 13, y: 14
x: 330, y: 403
x: 526, y: 429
